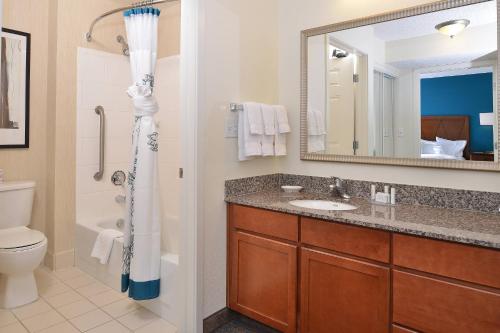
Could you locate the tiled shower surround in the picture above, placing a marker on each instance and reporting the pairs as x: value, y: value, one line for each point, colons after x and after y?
x: 103, y: 79
x: 406, y: 194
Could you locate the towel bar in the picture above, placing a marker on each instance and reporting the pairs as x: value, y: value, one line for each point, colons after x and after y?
x: 235, y: 107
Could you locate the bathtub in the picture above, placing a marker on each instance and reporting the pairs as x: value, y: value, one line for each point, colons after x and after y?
x: 166, y: 306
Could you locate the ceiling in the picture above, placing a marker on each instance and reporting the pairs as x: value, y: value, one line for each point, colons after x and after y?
x: 421, y: 25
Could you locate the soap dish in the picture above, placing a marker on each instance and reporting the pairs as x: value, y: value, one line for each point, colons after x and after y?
x: 291, y: 189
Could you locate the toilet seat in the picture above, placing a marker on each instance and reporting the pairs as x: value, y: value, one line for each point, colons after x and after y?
x: 20, y: 239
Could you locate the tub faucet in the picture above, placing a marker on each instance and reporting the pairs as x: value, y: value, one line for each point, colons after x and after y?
x: 339, y: 188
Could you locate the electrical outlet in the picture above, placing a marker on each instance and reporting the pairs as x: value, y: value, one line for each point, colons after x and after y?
x: 231, y: 125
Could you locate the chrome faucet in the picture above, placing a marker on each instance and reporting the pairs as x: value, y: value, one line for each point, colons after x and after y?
x: 339, y: 188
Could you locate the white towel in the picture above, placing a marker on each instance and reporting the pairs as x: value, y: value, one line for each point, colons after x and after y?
x: 316, y: 131
x: 269, y: 119
x: 254, y: 115
x: 248, y: 144
x: 282, y: 127
x: 104, y: 244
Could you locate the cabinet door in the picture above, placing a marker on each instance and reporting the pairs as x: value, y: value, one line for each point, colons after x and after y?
x: 263, y: 280
x: 343, y: 295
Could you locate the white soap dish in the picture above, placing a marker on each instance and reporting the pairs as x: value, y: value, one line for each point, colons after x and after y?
x: 291, y: 189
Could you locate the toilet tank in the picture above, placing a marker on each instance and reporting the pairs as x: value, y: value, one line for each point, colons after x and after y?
x: 16, y: 202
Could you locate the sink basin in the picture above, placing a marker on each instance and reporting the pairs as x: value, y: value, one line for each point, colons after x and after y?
x: 322, y: 205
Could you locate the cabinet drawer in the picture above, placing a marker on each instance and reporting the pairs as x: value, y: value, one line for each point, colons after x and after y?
x: 358, y: 241
x: 434, y: 306
x: 463, y: 262
x: 265, y: 222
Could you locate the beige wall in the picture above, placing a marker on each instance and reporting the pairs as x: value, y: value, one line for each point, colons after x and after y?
x: 23, y: 164
x: 58, y: 28
x: 238, y: 63
x: 296, y: 15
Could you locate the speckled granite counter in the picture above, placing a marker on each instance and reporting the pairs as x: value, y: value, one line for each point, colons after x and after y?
x: 463, y: 226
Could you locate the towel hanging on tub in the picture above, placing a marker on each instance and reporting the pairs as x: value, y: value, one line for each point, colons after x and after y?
x: 141, y: 248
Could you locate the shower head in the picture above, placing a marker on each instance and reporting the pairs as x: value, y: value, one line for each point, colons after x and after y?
x: 125, y: 50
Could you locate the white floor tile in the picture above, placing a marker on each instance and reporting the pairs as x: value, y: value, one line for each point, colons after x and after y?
x: 92, y: 289
x: 43, y: 321
x: 121, y: 308
x: 6, y: 318
x: 111, y: 327
x: 65, y: 327
x: 107, y: 297
x: 80, y: 281
x: 76, y: 309
x: 45, y: 278
x: 90, y: 320
x: 64, y: 298
x: 30, y: 310
x: 138, y: 318
x: 14, y: 328
x: 158, y: 326
x: 52, y: 290
x: 68, y: 273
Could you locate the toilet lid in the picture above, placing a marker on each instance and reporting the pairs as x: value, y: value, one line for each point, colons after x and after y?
x: 19, y: 237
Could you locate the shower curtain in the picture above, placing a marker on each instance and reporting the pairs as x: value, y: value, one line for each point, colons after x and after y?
x: 141, y: 248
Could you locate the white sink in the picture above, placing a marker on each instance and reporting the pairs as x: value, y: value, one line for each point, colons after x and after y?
x: 322, y: 205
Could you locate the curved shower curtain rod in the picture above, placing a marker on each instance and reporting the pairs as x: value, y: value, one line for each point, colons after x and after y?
x: 88, y: 35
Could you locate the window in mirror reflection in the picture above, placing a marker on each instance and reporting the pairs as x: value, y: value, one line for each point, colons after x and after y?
x: 405, y: 89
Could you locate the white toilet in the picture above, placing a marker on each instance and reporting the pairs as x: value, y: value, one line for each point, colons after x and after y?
x: 21, y: 249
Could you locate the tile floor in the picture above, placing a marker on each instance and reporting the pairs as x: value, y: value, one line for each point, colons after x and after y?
x: 72, y: 302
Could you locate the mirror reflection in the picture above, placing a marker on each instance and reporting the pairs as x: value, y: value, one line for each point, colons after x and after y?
x: 418, y: 87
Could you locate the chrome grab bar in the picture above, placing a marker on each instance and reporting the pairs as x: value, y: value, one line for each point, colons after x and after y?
x: 100, y: 111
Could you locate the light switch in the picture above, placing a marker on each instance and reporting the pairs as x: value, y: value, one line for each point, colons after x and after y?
x: 401, y: 132
x: 231, y: 125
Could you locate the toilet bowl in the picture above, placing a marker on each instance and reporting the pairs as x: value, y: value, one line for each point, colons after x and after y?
x: 21, y: 248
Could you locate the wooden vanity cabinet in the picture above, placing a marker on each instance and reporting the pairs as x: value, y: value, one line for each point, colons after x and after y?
x: 323, y: 277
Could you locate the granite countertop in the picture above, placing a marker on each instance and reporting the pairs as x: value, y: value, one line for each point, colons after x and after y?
x: 463, y: 226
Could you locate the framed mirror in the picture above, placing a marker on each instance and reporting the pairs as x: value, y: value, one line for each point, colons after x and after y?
x: 416, y: 87
x: 14, y: 89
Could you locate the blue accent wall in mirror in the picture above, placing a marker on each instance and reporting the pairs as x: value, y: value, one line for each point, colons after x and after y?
x: 467, y: 95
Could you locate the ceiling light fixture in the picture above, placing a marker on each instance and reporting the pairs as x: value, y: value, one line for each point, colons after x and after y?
x: 453, y: 27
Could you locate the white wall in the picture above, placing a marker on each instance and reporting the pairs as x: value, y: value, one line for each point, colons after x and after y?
x: 296, y: 15
x: 239, y: 54
x: 103, y: 79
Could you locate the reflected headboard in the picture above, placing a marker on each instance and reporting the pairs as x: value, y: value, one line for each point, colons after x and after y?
x: 447, y: 127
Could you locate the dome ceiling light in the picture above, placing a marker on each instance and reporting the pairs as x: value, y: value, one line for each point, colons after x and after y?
x: 453, y: 27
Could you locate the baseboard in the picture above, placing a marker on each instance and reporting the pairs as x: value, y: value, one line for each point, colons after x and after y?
x: 60, y: 260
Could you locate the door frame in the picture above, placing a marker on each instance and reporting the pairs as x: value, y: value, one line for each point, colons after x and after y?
x: 191, y: 255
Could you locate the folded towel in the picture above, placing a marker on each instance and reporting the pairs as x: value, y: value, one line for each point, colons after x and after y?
x: 316, y: 123
x: 316, y: 131
x: 248, y: 144
x: 282, y: 119
x: 269, y: 117
x: 254, y: 115
x: 282, y: 127
x: 104, y: 243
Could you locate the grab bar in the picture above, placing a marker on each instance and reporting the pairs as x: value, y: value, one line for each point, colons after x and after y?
x: 100, y: 111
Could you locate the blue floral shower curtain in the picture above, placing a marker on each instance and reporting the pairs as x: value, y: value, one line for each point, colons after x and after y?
x: 141, y: 251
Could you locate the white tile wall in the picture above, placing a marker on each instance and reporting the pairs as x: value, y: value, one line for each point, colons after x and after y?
x: 102, y: 80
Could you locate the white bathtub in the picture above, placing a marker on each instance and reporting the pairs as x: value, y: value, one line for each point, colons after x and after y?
x: 86, y: 231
